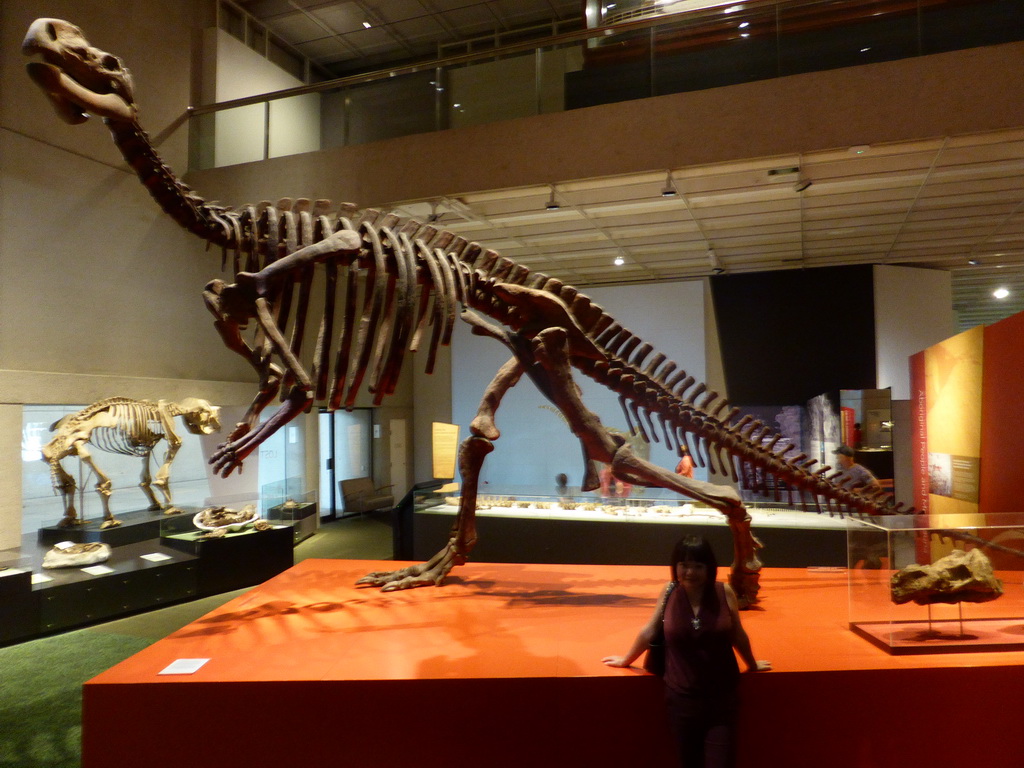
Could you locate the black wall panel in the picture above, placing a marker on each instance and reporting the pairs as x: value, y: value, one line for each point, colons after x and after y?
x: 787, y: 336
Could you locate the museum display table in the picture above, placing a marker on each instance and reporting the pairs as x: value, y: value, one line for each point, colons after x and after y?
x: 626, y: 532
x: 501, y: 667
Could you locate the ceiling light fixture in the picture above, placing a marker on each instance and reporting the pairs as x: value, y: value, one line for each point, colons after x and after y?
x: 859, y: 149
x: 973, y: 262
x: 619, y: 261
x: 367, y: 25
x: 716, y: 265
x: 552, y: 204
x: 670, y: 186
x: 1001, y: 293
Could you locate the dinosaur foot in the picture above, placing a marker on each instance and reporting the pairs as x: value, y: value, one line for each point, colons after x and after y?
x: 111, y: 523
x: 172, y: 511
x: 69, y: 522
x: 429, y: 574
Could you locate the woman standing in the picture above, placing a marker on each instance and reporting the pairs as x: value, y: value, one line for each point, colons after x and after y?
x: 702, y: 627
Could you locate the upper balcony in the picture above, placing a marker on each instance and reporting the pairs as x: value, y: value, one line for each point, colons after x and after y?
x: 632, y: 49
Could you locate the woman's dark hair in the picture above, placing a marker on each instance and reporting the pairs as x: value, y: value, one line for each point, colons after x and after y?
x: 697, y: 549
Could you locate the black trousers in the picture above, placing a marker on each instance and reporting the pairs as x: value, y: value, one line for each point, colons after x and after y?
x: 705, y: 729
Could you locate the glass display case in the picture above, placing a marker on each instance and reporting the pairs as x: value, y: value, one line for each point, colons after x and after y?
x: 579, y: 527
x: 938, y: 583
x: 300, y: 511
x: 635, y: 508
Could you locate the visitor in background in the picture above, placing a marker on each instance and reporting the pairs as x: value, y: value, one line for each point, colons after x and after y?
x: 685, y: 465
x: 851, y: 474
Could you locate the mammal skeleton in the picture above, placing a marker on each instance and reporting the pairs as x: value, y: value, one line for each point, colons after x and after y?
x: 409, y: 279
x: 131, y: 428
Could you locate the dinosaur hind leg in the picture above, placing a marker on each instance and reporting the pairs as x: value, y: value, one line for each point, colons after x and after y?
x: 744, y: 573
x: 103, y: 486
x: 554, y: 377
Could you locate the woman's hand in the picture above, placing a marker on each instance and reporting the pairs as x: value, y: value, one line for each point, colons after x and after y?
x: 615, y: 661
x: 760, y: 666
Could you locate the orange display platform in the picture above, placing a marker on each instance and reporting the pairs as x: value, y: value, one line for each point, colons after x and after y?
x: 502, y: 667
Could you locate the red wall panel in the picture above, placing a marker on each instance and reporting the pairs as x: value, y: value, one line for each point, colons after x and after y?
x: 1002, y: 430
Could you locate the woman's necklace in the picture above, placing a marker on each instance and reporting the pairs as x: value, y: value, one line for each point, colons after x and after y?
x: 695, y: 621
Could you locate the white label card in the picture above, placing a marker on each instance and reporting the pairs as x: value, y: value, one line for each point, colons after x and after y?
x: 98, y: 570
x: 155, y: 557
x: 183, y: 667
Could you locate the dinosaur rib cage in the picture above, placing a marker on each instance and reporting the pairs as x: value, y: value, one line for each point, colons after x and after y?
x: 137, y: 430
x: 412, y: 276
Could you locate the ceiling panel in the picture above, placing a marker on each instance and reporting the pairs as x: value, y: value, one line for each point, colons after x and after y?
x: 934, y: 204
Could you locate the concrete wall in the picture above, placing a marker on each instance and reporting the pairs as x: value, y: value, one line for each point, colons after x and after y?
x: 913, y: 310
x: 939, y: 95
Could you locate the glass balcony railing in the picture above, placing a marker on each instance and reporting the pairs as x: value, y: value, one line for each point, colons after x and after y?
x: 638, y: 58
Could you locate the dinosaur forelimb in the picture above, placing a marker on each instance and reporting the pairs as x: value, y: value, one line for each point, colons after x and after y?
x: 472, y: 453
x: 231, y: 454
x: 431, y: 573
x: 263, y: 282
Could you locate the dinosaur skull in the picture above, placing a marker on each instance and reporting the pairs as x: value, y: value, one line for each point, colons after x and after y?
x: 200, y: 417
x: 79, y: 79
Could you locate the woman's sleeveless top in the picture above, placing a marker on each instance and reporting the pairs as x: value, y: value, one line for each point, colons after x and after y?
x: 699, y: 660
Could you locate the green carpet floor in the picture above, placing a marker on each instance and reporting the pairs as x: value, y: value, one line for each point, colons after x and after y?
x: 41, y: 680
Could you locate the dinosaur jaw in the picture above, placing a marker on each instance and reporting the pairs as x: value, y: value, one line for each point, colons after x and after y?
x: 79, y: 80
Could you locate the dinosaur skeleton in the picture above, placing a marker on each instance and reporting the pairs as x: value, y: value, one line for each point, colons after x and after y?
x: 408, y: 281
x: 130, y: 428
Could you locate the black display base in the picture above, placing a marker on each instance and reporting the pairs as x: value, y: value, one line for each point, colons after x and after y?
x: 302, y: 518
x: 237, y: 560
x: 618, y: 542
x: 138, y: 576
x: 138, y: 525
x: 18, y: 605
x: 35, y: 600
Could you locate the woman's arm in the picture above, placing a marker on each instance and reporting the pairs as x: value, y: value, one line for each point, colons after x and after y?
x: 643, y: 640
x: 740, y: 640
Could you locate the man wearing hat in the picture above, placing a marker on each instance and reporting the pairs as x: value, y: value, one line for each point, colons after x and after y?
x: 851, y: 473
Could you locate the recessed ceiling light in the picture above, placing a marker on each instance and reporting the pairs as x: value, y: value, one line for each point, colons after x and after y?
x: 744, y: 24
x: 367, y: 25
x: 619, y: 261
x: 973, y: 262
x: 859, y: 149
x: 1000, y: 293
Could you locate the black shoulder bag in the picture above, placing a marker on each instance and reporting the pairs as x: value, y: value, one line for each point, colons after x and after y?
x: 654, y: 662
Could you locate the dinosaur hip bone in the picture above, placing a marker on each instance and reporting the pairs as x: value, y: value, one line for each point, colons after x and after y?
x: 388, y: 287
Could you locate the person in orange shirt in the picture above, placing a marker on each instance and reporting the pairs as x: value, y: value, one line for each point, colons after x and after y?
x: 685, y: 465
